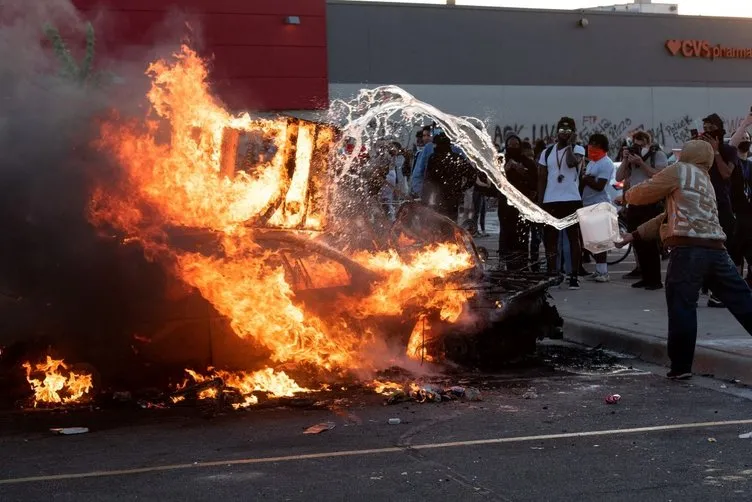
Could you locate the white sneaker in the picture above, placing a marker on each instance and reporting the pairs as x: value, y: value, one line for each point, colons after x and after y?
x: 602, y: 278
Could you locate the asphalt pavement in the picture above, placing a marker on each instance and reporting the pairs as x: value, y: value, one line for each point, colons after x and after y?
x: 540, y: 433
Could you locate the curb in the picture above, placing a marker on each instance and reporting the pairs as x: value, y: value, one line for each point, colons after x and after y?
x: 652, y: 349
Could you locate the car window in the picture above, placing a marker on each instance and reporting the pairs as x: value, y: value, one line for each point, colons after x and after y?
x: 314, y: 271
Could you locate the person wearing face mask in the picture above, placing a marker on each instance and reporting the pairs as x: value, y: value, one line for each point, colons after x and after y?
x: 597, y: 174
x: 640, y: 163
x: 724, y: 160
x: 741, y: 204
x: 513, y: 238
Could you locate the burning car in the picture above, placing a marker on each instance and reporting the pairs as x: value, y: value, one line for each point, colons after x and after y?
x: 276, y: 260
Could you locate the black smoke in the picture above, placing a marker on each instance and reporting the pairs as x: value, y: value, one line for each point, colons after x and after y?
x: 63, y: 282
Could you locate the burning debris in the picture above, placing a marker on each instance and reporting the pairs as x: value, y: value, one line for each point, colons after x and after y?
x: 55, y: 383
x: 240, y: 389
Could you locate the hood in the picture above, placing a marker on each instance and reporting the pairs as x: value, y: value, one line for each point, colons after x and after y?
x: 699, y: 153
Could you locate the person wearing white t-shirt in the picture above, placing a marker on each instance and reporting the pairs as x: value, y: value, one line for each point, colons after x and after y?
x: 559, y: 195
x: 596, y: 176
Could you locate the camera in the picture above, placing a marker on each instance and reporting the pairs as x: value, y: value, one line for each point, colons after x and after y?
x: 635, y: 149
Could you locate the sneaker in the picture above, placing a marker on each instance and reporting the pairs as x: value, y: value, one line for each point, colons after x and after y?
x: 602, y: 278
x: 592, y: 276
x: 679, y: 375
x: 715, y: 303
x: 574, y: 282
x: 634, y: 274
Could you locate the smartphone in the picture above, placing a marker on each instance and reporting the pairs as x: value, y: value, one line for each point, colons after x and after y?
x: 693, y: 133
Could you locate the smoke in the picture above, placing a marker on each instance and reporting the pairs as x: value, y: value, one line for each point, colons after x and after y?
x: 61, y: 282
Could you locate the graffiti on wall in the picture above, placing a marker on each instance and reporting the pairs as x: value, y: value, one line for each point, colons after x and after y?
x: 669, y: 134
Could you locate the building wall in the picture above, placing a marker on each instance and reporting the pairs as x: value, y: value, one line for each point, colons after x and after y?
x: 258, y: 61
x: 523, y: 69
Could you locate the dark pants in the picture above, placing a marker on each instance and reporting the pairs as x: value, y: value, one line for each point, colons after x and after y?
x: 536, y: 235
x: 688, y: 269
x: 728, y: 223
x: 479, y: 210
x: 448, y: 205
x: 513, y: 238
x: 742, y: 242
x: 648, y: 254
x: 551, y: 236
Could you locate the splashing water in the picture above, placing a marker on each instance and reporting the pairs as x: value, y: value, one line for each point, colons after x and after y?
x: 387, y: 112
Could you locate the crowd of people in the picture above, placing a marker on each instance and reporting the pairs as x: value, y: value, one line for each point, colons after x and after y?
x: 694, y: 207
x: 563, y: 174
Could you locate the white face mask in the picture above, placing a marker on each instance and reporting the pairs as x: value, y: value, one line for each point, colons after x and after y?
x: 645, y: 151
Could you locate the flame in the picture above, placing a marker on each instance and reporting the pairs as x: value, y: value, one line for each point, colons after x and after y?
x: 60, y: 385
x: 266, y: 380
x: 180, y: 170
x: 385, y: 387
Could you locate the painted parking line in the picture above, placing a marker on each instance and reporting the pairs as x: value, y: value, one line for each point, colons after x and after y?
x: 373, y: 451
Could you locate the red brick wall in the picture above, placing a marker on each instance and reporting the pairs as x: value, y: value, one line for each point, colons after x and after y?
x: 259, y: 61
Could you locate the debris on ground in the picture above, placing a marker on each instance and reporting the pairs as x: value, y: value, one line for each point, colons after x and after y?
x: 68, y: 431
x: 434, y: 394
x: 394, y: 421
x: 613, y: 399
x: 319, y: 428
x: 711, y: 440
x: 531, y: 393
x: 746, y: 435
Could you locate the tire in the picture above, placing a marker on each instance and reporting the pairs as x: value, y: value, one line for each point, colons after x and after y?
x: 619, y: 255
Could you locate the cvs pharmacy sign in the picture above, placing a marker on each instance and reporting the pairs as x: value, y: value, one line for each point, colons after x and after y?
x: 703, y: 49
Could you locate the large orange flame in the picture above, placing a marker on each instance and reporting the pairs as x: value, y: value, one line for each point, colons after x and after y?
x: 176, y: 173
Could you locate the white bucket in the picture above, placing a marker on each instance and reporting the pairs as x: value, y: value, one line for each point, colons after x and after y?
x: 599, y: 225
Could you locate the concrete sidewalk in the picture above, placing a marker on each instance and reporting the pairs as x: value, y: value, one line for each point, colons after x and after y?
x: 634, y: 321
x: 619, y: 317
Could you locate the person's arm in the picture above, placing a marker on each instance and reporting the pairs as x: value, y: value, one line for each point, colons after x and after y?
x: 624, y: 170
x: 651, y: 229
x: 738, y: 135
x: 726, y: 161
x: 660, y: 159
x: 654, y: 189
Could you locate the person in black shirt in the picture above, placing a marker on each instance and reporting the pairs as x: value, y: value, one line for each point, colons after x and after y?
x: 720, y: 176
x: 741, y: 204
x: 521, y: 172
x: 448, y: 175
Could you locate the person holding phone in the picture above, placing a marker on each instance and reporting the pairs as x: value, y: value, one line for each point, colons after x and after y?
x: 559, y: 194
x: 640, y: 163
x: 724, y: 159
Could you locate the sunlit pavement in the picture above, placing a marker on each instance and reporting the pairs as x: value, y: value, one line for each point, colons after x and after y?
x: 616, y: 316
x: 538, y: 434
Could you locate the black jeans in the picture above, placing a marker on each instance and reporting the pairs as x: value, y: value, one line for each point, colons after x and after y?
x: 551, y: 236
x: 742, y: 241
x: 479, y: 210
x: 688, y: 269
x: 648, y: 254
x: 513, y: 238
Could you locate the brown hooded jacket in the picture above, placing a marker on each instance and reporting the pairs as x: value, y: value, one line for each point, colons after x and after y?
x: 691, y: 216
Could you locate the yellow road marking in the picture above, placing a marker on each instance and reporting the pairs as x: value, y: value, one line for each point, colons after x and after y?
x: 372, y: 451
